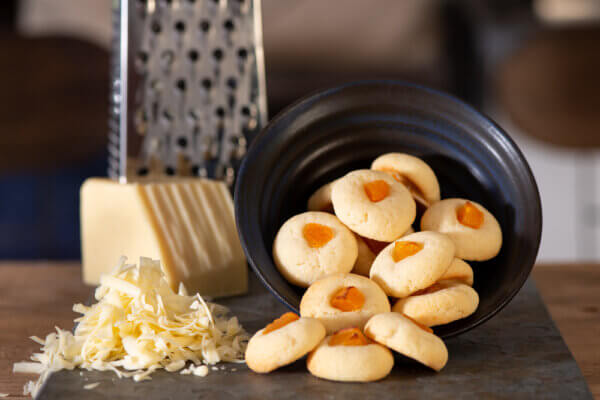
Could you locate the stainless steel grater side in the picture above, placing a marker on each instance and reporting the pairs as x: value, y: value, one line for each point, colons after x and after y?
x: 188, y: 87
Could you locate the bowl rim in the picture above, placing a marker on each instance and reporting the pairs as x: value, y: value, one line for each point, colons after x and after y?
x: 498, y: 133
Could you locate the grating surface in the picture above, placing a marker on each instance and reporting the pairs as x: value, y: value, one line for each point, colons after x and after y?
x: 188, y: 87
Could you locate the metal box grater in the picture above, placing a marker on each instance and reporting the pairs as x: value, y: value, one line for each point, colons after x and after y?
x: 188, y: 87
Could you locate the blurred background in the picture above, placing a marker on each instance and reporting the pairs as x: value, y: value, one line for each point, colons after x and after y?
x: 533, y: 65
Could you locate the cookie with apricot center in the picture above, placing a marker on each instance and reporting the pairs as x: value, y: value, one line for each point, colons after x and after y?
x: 373, y: 204
x: 282, y: 342
x: 312, y: 245
x: 473, y: 229
x: 349, y: 356
x: 368, y: 249
x: 412, y: 263
x: 343, y: 300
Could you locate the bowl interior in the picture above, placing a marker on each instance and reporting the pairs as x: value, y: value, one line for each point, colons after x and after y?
x: 329, y: 134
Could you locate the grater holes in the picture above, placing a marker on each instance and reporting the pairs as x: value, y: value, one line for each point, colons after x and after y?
x: 204, y: 25
x: 228, y: 25
x: 143, y: 171
x: 242, y: 53
x: 170, y: 171
x: 218, y: 54
x: 182, y: 141
x: 143, y: 56
x: 167, y: 116
x: 220, y: 112
x: 206, y: 83
x: 179, y: 26
x: 231, y: 83
x: 156, y: 27
x: 193, y: 55
x: 193, y: 116
x: 245, y: 110
x: 180, y: 84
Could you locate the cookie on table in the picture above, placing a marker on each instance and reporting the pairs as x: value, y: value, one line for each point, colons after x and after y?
x: 373, y: 204
x: 412, y: 263
x: 473, y: 229
x: 320, y: 200
x: 349, y: 356
x: 343, y: 300
x: 312, y: 245
x: 282, y: 342
x: 459, y: 271
x: 407, y: 337
x: 439, y: 304
x: 368, y: 249
x: 413, y: 172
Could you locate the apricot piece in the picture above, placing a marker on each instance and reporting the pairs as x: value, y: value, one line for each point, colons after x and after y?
x: 469, y: 215
x: 377, y: 190
x: 349, y: 337
x: 317, y: 235
x: 431, y: 289
x: 403, y: 249
x: 424, y: 327
x: 280, y: 322
x: 348, y: 298
x: 375, y: 245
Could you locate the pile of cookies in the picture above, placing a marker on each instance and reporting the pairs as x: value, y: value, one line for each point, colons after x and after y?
x: 357, y: 253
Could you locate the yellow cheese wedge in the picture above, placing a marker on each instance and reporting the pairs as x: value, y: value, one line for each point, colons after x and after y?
x: 188, y: 223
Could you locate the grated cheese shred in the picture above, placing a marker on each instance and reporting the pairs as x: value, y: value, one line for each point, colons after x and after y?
x: 137, y: 326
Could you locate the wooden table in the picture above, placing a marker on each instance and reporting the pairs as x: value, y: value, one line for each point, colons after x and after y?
x: 35, y: 297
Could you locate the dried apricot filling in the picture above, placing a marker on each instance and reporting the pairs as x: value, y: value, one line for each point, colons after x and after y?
x: 469, y: 215
x: 377, y: 190
x: 403, y: 249
x: 317, y: 235
x: 280, y: 322
x: 375, y: 245
x: 424, y: 327
x: 349, y: 337
x: 428, y: 290
x: 348, y: 298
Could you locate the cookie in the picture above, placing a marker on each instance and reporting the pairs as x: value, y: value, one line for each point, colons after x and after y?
x: 368, y: 249
x: 365, y: 258
x: 474, y: 231
x: 349, y: 356
x: 412, y: 263
x: 373, y: 204
x: 441, y: 303
x: 459, y: 271
x: 343, y: 300
x: 413, y: 172
x: 282, y: 342
x: 406, y: 337
x: 312, y: 245
x: 321, y: 199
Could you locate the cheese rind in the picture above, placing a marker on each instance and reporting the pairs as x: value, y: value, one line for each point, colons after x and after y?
x: 187, y: 223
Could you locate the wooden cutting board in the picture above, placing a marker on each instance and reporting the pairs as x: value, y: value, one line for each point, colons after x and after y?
x: 517, y: 354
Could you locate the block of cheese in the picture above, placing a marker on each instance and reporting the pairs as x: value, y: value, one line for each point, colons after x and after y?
x: 186, y: 223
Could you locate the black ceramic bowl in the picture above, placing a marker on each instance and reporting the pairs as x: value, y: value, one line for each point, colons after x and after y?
x: 326, y: 135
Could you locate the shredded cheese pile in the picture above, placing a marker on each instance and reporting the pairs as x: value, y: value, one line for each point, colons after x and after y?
x: 137, y: 326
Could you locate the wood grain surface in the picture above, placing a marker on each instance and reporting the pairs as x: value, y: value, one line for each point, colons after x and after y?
x: 35, y: 297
